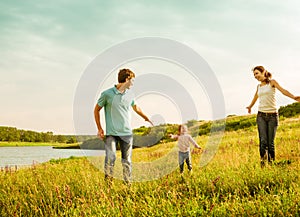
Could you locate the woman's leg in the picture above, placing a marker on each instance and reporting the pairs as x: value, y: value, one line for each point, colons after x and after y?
x: 262, y: 127
x: 272, y: 127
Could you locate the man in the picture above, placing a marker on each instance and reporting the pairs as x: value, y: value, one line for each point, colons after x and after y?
x: 117, y: 102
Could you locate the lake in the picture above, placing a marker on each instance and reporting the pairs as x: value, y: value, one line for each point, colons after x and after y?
x: 27, y: 155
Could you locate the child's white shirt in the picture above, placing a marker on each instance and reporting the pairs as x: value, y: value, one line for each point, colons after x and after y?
x: 184, y: 142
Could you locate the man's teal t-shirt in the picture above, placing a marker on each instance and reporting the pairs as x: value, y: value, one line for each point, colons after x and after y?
x: 117, y: 109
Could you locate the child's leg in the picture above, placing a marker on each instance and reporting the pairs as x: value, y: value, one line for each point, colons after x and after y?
x: 181, y: 161
x: 189, y: 162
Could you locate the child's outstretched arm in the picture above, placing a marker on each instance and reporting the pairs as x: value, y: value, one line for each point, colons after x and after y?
x: 173, y: 136
x: 191, y: 140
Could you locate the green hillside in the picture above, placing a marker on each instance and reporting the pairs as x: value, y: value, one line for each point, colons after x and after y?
x: 231, y: 184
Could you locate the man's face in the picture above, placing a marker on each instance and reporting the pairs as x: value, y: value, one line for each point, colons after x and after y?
x: 129, y: 83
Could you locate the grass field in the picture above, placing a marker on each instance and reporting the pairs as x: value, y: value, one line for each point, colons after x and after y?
x: 232, y: 184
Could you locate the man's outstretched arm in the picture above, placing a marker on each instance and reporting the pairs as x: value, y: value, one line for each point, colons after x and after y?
x: 138, y: 110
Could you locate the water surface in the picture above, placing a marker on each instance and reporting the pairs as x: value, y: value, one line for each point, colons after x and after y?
x: 27, y: 155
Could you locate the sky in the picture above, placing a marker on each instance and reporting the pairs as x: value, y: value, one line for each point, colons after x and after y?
x: 46, y: 46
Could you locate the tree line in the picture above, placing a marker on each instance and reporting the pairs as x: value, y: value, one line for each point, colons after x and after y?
x: 290, y: 110
x: 12, y: 134
x: 145, y: 136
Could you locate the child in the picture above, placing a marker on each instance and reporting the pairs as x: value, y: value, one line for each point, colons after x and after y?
x: 184, y: 141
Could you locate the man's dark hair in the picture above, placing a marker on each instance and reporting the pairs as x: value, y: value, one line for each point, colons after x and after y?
x: 125, y: 73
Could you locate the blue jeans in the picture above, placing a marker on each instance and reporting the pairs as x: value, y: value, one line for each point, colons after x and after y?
x: 267, y: 125
x: 184, y: 156
x: 110, y: 155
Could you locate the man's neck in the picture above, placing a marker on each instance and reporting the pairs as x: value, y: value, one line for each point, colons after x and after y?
x: 121, y: 87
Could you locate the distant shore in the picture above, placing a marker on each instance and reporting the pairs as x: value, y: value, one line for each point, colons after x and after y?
x: 53, y: 144
x: 67, y: 146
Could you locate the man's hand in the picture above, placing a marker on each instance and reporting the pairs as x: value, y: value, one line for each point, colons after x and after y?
x: 140, y: 113
x: 100, y: 134
x: 148, y: 120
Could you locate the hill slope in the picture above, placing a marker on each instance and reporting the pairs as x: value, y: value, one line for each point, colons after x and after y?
x: 231, y: 184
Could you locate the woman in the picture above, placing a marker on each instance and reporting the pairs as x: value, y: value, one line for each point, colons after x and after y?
x: 267, y: 117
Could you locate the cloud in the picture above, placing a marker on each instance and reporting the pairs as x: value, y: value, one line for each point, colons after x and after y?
x: 45, y: 46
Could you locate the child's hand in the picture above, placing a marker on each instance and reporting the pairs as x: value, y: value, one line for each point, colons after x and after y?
x: 197, y: 151
x: 173, y: 136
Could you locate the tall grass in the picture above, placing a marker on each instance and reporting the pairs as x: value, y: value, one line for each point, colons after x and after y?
x: 232, y: 184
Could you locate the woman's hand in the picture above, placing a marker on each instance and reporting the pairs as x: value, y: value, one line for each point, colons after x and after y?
x: 249, y: 109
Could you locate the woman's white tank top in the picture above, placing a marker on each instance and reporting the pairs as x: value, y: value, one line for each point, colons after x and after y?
x: 267, y: 101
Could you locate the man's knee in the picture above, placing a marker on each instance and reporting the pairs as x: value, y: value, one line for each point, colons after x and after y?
x: 111, y: 157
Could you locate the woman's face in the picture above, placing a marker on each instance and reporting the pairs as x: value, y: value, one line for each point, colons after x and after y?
x: 259, y: 75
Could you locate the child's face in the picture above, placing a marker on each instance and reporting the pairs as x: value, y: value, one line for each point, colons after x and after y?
x: 183, y: 129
